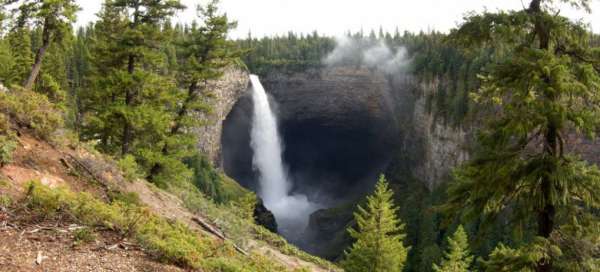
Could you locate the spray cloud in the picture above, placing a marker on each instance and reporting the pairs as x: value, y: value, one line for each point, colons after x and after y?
x: 369, y: 53
x: 290, y: 211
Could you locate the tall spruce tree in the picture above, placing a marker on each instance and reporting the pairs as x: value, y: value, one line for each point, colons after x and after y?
x: 379, y: 235
x: 204, y: 53
x: 457, y: 257
x: 54, y: 17
x: 19, y: 39
x: 141, y: 40
x: 134, y: 98
x: 99, y: 103
x: 543, y: 88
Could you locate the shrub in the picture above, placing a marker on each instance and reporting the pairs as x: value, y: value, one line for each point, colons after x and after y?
x: 33, y: 110
x: 130, y: 168
x: 212, y: 183
x: 84, y: 236
x: 4, y: 124
x: 7, y: 147
x: 5, y: 201
x: 169, y: 242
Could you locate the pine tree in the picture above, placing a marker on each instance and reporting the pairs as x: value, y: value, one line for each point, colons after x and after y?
x: 140, y: 40
x: 457, y: 257
x: 19, y: 40
x: 542, y: 88
x: 134, y: 97
x: 379, y: 238
x: 54, y: 17
x: 205, y: 52
x: 99, y: 103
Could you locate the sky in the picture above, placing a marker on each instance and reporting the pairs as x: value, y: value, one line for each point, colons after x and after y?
x: 334, y: 17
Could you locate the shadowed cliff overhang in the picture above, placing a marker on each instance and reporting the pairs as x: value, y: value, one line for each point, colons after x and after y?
x: 338, y: 128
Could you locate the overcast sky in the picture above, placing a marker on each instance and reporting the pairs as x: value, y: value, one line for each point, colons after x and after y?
x: 333, y: 17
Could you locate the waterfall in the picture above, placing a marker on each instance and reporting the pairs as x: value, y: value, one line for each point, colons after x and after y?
x: 291, y: 211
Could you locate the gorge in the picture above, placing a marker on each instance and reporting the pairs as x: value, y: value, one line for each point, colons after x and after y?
x: 340, y: 128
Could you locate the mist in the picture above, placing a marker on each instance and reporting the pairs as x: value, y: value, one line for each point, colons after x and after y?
x: 373, y: 54
x: 291, y: 211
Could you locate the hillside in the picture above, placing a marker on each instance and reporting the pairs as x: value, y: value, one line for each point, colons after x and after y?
x: 44, y: 226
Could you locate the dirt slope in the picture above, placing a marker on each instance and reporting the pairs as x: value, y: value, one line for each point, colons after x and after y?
x: 81, y: 170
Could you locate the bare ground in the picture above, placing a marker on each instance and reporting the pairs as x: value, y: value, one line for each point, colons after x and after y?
x: 80, y: 170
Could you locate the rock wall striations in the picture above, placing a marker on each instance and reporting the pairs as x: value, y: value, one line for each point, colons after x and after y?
x: 223, y: 93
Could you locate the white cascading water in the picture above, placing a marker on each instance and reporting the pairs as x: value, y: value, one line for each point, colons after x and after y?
x: 291, y: 211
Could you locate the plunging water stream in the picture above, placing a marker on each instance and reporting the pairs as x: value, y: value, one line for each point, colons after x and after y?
x: 290, y: 210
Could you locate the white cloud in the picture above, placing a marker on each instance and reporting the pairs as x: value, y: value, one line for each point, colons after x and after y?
x: 268, y: 17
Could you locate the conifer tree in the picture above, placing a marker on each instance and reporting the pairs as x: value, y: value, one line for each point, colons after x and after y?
x: 54, y: 17
x: 19, y: 40
x: 134, y: 97
x: 205, y: 52
x: 379, y: 235
x: 140, y: 41
x: 100, y: 119
x: 542, y: 88
x: 457, y: 257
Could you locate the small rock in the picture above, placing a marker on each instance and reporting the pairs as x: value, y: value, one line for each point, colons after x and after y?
x: 40, y: 258
x: 3, y: 89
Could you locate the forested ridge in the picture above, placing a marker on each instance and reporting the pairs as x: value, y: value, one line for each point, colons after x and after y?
x: 133, y: 85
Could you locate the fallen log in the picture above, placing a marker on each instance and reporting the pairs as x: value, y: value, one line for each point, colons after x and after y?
x: 215, y: 231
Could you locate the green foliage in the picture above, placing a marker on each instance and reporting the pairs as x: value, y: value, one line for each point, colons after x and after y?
x: 579, y: 241
x: 524, y: 259
x: 238, y: 228
x: 544, y: 70
x: 245, y: 206
x: 31, y: 110
x: 7, y: 63
x: 21, y: 56
x: 129, y: 167
x: 213, y: 183
x: 457, y: 257
x: 204, y: 54
x: 54, y: 19
x: 5, y: 201
x: 170, y: 242
x: 289, y: 53
x: 7, y: 147
x: 429, y: 255
x: 379, y: 238
x: 84, y: 236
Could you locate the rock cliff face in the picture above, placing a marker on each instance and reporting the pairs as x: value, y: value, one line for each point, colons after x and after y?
x: 441, y: 145
x: 338, y: 126
x: 340, y: 97
x: 225, y: 92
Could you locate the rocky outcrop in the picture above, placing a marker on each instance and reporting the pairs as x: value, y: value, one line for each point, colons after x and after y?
x: 223, y: 93
x: 336, y: 96
x: 442, y: 145
x: 3, y: 89
x: 264, y: 217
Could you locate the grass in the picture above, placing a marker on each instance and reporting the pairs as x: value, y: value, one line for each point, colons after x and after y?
x: 84, y: 236
x: 229, y: 218
x: 168, y: 241
x: 5, y: 201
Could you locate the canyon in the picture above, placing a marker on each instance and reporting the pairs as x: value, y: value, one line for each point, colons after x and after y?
x: 341, y: 127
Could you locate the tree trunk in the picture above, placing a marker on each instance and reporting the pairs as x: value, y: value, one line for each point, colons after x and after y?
x: 545, y: 216
x: 39, y: 56
x: 127, y: 130
x: 545, y: 222
x: 191, y: 96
